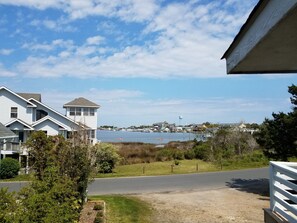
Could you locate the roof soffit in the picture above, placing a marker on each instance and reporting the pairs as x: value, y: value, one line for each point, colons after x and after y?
x: 270, y: 34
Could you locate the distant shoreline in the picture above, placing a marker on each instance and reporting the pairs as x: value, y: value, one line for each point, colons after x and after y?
x: 158, y: 138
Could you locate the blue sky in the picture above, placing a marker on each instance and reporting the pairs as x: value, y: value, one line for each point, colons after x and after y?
x: 143, y: 61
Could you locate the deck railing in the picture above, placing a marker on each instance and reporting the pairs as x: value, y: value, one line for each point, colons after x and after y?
x: 283, y: 189
x: 11, y: 146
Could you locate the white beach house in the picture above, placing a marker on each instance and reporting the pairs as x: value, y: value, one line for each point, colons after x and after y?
x: 23, y: 113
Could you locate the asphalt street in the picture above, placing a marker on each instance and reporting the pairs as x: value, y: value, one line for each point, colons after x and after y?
x: 182, y: 182
x: 200, y: 181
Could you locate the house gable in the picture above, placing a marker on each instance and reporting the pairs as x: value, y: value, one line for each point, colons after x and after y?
x: 10, y: 101
x: 50, y: 126
x: 18, y: 124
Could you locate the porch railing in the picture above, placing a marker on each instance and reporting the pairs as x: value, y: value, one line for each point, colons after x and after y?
x: 283, y: 189
x: 11, y: 146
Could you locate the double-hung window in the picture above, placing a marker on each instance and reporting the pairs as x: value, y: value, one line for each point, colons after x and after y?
x: 78, y: 111
x: 72, y: 112
x: 75, y: 112
x: 13, y: 112
x: 86, y: 111
x: 92, y: 111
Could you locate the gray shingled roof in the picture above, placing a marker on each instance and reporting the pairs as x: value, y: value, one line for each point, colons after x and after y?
x: 27, y: 96
x: 6, y: 133
x: 81, y: 102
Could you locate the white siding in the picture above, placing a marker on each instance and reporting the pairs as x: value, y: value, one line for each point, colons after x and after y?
x: 8, y: 100
x: 48, y: 126
x: 60, y: 118
x: 88, y: 120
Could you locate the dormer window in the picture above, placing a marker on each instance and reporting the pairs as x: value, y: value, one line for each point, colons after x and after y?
x: 13, y: 112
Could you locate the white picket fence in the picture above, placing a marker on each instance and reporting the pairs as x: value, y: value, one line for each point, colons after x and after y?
x: 283, y: 189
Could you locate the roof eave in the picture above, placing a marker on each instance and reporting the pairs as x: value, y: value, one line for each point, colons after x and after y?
x: 252, y: 17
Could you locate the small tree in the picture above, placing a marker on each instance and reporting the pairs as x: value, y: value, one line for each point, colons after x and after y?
x: 9, y: 168
x: 106, y: 157
x: 40, y: 152
x: 278, y: 136
x: 52, y: 199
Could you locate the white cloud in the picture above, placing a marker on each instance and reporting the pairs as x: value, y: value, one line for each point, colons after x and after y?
x: 59, y: 25
x: 5, y: 73
x: 58, y: 43
x: 189, y: 39
x: 95, y: 40
x: 35, y: 3
x: 56, y: 99
x: 124, y: 107
x: 6, y: 51
x: 128, y: 10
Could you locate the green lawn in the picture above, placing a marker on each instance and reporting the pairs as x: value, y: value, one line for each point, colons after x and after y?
x: 184, y: 166
x: 160, y: 168
x: 125, y: 209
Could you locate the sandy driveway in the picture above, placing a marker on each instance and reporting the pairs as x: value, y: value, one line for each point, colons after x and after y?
x: 237, y: 203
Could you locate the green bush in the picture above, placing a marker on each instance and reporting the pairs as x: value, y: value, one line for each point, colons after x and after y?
x: 203, y: 152
x: 9, y: 168
x: 99, y: 217
x: 106, y: 157
x: 189, y: 154
x: 178, y: 155
x: 98, y: 207
x: 164, y: 155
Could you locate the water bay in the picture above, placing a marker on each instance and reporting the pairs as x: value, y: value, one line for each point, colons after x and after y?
x: 152, y: 137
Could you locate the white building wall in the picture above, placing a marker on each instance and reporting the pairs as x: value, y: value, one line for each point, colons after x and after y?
x: 90, y: 121
x: 60, y: 118
x: 48, y: 126
x: 8, y: 100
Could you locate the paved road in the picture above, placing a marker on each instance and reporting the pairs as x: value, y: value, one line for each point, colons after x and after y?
x: 200, y: 181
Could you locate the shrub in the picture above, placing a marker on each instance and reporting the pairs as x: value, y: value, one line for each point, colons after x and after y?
x: 178, y: 155
x: 98, y: 207
x: 164, y: 155
x: 106, y: 157
x: 189, y: 154
x: 9, y: 168
x: 8, y: 204
x: 98, y: 220
x: 99, y: 217
x: 203, y: 152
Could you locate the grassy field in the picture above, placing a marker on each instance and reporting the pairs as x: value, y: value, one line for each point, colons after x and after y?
x: 184, y: 166
x: 125, y: 209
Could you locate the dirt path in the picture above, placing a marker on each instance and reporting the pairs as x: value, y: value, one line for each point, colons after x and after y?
x: 213, y: 206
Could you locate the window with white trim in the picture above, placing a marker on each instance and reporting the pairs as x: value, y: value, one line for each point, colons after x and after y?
x: 78, y: 111
x: 92, y: 111
x: 13, y: 112
x: 75, y: 112
x: 72, y: 111
x: 86, y: 111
